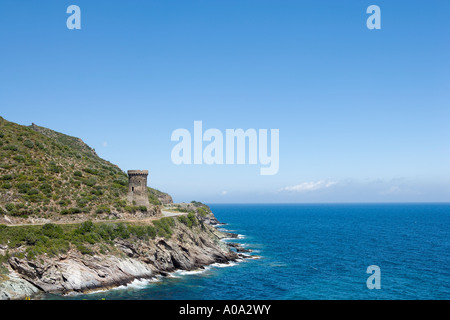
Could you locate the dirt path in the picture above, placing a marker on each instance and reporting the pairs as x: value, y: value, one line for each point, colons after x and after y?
x: 141, y: 220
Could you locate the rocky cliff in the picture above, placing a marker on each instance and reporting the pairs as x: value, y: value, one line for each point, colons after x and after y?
x: 186, y: 249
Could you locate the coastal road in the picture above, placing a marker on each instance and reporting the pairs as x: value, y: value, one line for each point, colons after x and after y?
x: 140, y: 220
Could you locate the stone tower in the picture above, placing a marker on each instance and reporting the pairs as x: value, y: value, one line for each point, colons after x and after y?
x: 137, y: 187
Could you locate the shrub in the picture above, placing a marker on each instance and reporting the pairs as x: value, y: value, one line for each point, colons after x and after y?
x: 52, y: 230
x: 189, y: 221
x: 19, y: 158
x: 11, y: 147
x: 6, y: 185
x: 4, y: 258
x: 86, y: 226
x: 154, y: 200
x: 97, y: 192
x: 121, y: 182
x: 78, y: 174
x: 163, y: 227
x: 76, y: 184
x: 183, y: 220
x: 40, y: 145
x: 71, y: 211
x: 54, y: 169
x: 90, y: 182
x: 138, y: 231
x: 10, y: 207
x: 91, y: 171
x: 30, y: 238
x: 32, y: 192
x: 7, y: 177
x: 106, y: 231
x: 63, y: 203
x: 74, y: 210
x: 82, y: 202
x: 193, y: 220
x: 28, y: 144
x: 45, y: 188
x: 23, y: 187
x: 122, y: 231
x: 57, y: 246
x: 103, y: 209
x: 202, y: 212
x: 196, y: 203
x: 151, y: 231
x: 84, y: 250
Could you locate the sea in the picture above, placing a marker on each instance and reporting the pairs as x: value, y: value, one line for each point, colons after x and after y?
x: 318, y: 252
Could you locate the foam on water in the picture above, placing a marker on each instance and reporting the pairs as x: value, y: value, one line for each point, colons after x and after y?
x: 178, y: 273
x: 137, y: 284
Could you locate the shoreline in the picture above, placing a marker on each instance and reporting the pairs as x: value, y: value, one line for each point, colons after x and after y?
x: 187, y: 251
x: 141, y: 283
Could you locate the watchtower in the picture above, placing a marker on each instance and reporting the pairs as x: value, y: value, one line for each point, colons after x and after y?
x: 137, y: 187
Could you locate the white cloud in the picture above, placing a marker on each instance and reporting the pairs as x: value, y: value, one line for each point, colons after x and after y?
x: 224, y: 193
x: 400, y: 190
x: 105, y: 144
x: 392, y: 190
x: 310, y: 186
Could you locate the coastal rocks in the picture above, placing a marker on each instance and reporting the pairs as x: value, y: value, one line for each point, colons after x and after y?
x: 14, y: 288
x: 211, y: 220
x: 164, y: 198
x: 238, y: 247
x: 5, y: 220
x: 80, y: 273
x: 230, y: 235
x: 187, y: 249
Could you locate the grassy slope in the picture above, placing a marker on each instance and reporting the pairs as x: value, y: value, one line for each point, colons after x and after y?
x: 46, y: 174
x: 87, y: 237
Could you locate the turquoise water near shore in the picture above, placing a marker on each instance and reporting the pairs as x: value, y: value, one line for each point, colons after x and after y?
x: 318, y: 251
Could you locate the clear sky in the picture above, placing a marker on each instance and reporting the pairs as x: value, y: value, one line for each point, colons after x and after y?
x: 364, y: 115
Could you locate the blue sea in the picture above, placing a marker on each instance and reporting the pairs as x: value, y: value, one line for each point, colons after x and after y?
x: 318, y: 251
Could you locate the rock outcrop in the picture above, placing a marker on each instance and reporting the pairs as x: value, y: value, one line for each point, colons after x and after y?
x: 13, y: 287
x: 186, y: 249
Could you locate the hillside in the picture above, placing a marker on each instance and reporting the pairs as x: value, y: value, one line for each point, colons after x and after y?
x: 49, y: 176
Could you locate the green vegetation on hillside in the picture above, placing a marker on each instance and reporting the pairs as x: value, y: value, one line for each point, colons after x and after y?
x: 86, y: 237
x: 153, y: 196
x: 157, y: 197
x: 194, y: 207
x: 190, y: 220
x: 44, y: 173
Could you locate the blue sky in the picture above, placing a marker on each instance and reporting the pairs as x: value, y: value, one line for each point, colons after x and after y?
x: 364, y: 115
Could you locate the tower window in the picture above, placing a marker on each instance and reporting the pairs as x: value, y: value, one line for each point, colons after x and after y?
x: 132, y: 188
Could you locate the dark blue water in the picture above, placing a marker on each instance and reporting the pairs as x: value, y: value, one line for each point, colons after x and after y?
x: 321, y: 252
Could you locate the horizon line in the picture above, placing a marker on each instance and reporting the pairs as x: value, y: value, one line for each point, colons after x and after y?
x: 297, y: 203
